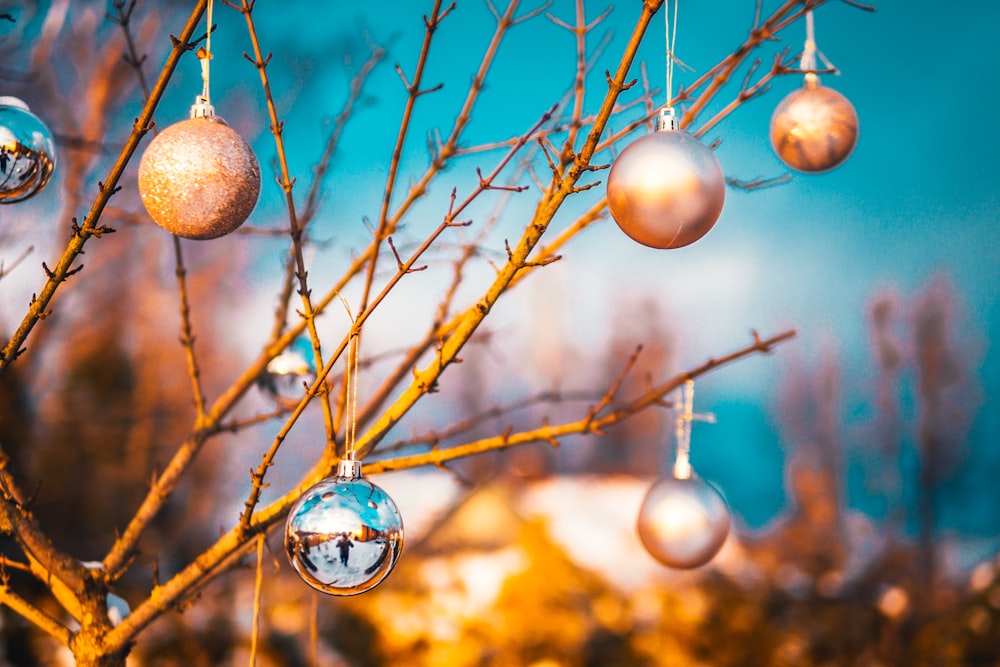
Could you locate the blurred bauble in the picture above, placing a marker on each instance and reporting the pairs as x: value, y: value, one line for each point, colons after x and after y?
x: 287, y: 375
x: 815, y: 128
x: 199, y: 179
x: 683, y: 522
x: 666, y: 190
x: 344, y: 535
x: 27, y: 152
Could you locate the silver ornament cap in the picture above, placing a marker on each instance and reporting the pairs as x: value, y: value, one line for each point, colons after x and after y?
x: 199, y: 178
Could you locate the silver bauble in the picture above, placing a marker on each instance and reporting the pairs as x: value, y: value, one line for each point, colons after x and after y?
x: 287, y: 375
x: 199, y: 178
x: 683, y: 522
x: 344, y: 535
x: 815, y: 128
x: 27, y: 152
x: 666, y: 190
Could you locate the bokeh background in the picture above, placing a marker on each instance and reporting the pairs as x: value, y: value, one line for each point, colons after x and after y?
x: 831, y: 452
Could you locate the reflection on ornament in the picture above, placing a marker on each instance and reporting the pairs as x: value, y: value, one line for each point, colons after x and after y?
x: 683, y: 522
x: 287, y: 375
x: 815, y: 128
x: 344, y: 535
x: 666, y: 190
x: 27, y: 152
x: 198, y: 178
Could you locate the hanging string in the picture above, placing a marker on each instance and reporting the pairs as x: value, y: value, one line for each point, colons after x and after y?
x: 671, y: 41
x: 205, y: 56
x: 682, y: 430
x: 810, y: 51
x: 352, y: 397
x: 808, y: 62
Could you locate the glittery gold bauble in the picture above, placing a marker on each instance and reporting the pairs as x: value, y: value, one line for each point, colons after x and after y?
x: 815, y: 128
x: 683, y: 522
x: 666, y: 190
x: 199, y: 179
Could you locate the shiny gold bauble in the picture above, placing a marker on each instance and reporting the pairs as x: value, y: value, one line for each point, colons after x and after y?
x: 666, y: 190
x: 683, y: 522
x: 199, y: 178
x: 815, y: 128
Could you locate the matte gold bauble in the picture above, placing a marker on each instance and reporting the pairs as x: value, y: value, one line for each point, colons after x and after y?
x: 199, y: 178
x: 815, y: 128
x: 683, y: 522
x: 666, y: 190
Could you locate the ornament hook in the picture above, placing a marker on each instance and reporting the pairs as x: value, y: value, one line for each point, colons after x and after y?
x: 682, y: 429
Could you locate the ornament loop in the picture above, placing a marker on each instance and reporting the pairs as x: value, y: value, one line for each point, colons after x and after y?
x: 667, y: 121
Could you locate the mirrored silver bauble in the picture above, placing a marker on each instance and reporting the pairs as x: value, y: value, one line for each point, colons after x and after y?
x: 199, y: 178
x: 666, y: 190
x: 27, y: 152
x: 344, y: 535
x: 683, y: 522
x: 815, y: 128
x: 287, y: 375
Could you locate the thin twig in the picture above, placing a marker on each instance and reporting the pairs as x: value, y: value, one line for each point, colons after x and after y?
x: 38, y: 308
x: 592, y: 422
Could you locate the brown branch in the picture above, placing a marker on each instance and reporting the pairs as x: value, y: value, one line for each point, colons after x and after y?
x: 287, y: 183
x: 43, y: 297
x: 592, y: 422
x: 312, y: 198
x: 561, y: 188
x: 187, y: 335
x: 43, y: 621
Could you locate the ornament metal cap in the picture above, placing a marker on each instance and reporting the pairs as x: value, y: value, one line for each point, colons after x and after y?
x: 349, y: 469
x: 11, y: 101
x: 667, y: 121
x: 202, y: 108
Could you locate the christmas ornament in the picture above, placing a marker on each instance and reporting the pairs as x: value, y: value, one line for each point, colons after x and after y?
x: 666, y: 190
x: 815, y: 128
x: 27, y: 152
x: 344, y: 535
x: 287, y: 375
x: 683, y: 520
x: 198, y: 178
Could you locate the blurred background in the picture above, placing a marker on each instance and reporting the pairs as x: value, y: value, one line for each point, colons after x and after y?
x: 859, y: 460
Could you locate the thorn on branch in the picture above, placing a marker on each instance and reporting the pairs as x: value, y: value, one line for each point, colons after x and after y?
x: 400, y: 265
x: 106, y: 191
x: 582, y: 188
x: 433, y: 89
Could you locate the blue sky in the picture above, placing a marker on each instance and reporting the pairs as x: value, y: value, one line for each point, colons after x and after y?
x: 916, y: 200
